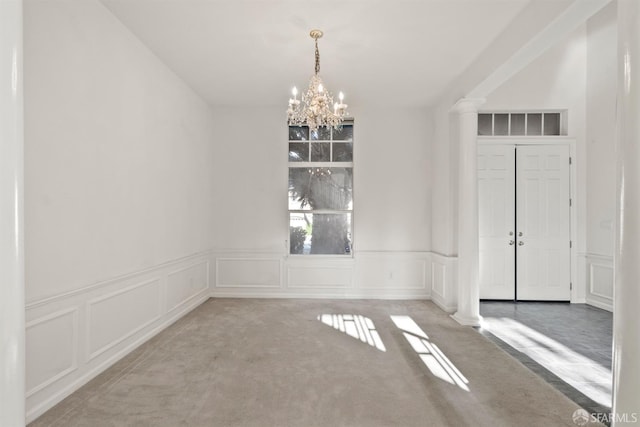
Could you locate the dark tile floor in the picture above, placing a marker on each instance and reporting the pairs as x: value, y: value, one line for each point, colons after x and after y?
x: 569, y: 345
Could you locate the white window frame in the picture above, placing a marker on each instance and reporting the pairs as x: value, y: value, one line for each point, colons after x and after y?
x: 330, y: 164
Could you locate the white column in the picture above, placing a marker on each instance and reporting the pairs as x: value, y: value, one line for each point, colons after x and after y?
x: 12, y: 326
x: 468, y: 241
x: 626, y: 304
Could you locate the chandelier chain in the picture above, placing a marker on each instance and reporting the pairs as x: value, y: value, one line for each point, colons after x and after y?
x: 317, y: 59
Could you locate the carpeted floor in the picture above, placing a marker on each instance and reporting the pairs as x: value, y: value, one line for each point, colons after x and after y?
x: 250, y: 362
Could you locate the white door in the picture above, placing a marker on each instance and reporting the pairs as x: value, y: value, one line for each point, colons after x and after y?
x: 524, y: 219
x: 543, y: 223
x: 496, y: 195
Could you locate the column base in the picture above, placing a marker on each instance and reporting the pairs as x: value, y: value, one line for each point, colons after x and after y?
x: 467, y: 320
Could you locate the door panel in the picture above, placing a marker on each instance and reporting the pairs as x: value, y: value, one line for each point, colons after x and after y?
x: 543, y: 221
x: 496, y: 191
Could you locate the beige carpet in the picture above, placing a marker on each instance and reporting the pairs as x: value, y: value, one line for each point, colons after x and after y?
x: 249, y: 362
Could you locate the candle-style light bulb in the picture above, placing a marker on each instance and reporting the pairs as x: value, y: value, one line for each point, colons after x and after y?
x: 341, y: 96
x: 335, y: 108
x: 294, y: 91
x: 320, y: 88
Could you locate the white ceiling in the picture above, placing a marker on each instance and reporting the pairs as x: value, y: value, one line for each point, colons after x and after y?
x: 378, y: 52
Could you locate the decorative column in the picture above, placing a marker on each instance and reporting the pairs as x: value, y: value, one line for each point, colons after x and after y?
x: 468, y: 241
x: 626, y: 325
x: 12, y: 322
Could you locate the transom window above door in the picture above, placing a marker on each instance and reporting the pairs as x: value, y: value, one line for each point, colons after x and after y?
x: 529, y: 123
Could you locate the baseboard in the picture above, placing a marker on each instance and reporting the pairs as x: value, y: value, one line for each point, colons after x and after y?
x: 437, y: 300
x: 600, y: 304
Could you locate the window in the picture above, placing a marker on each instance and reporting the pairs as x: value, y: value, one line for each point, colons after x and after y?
x: 548, y: 123
x: 320, y: 190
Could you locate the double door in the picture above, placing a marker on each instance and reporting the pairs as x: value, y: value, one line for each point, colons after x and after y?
x: 524, y: 214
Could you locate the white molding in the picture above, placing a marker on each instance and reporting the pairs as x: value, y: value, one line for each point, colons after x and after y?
x: 93, y: 302
x: 593, y: 296
x: 600, y: 304
x: 73, y: 351
x: 248, y: 258
x: 404, y: 275
x: 319, y: 285
x: 446, y: 298
x: 120, y: 278
x: 393, y: 265
x: 206, y: 264
x: 527, y: 140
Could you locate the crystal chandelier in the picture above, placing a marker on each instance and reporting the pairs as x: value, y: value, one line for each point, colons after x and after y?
x: 317, y: 107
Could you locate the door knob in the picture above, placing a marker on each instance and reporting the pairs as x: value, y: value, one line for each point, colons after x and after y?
x: 511, y: 242
x: 511, y: 233
x: 520, y: 233
x: 520, y: 243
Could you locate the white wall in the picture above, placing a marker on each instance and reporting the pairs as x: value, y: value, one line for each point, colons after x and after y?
x: 557, y: 80
x: 392, y: 208
x: 393, y: 188
x: 250, y: 176
x: 601, y: 162
x: 118, y: 195
x: 391, y: 179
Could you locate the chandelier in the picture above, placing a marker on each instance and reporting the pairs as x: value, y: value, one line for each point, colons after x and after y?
x: 317, y: 107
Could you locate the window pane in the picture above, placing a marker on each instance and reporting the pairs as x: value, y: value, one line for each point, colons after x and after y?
x: 552, y: 124
x: 300, y: 233
x: 320, y: 188
x: 485, y: 125
x: 321, y: 134
x: 298, y: 151
x: 342, y: 152
x: 517, y: 124
x: 501, y: 124
x: 298, y: 133
x: 343, y: 134
x: 321, y: 152
x: 534, y: 124
x: 328, y: 234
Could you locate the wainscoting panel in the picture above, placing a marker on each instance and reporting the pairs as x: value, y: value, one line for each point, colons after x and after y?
x: 248, y: 272
x: 56, y: 336
x: 136, y: 307
x: 444, y: 291
x: 392, y: 271
x: 400, y: 275
x: 186, y: 283
x: 72, y: 337
x: 308, y: 274
x: 600, y: 281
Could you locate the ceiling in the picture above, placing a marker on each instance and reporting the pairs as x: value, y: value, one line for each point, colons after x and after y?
x: 378, y: 52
